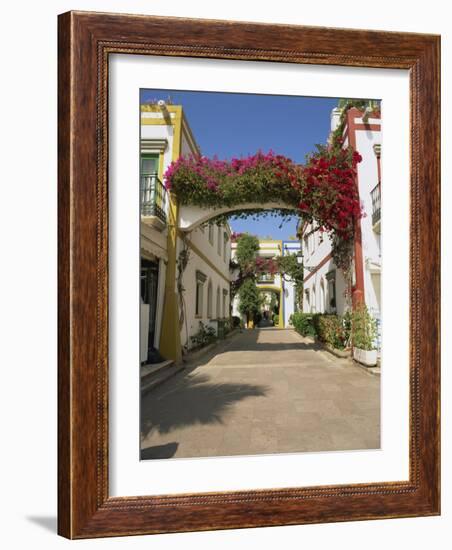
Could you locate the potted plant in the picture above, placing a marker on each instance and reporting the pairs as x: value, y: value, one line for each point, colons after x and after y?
x: 364, y: 333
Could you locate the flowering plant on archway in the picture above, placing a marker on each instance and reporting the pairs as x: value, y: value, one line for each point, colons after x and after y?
x: 329, y: 194
x: 260, y: 178
x: 323, y: 190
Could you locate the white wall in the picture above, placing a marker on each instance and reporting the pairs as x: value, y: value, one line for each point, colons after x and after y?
x: 368, y: 179
x: 28, y: 474
x: 200, y: 240
x: 319, y: 247
x: 314, y: 284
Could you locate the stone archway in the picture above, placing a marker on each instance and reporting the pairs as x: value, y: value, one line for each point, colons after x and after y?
x: 183, y: 219
x: 191, y: 217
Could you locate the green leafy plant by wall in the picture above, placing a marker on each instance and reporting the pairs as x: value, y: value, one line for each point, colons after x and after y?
x: 333, y: 330
x: 303, y: 323
x: 205, y: 335
x: 364, y: 328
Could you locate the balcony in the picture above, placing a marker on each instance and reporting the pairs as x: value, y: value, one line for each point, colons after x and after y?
x: 375, y: 195
x: 266, y: 278
x: 153, y: 196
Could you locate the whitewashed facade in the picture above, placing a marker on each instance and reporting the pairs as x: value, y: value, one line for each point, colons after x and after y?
x: 206, y: 279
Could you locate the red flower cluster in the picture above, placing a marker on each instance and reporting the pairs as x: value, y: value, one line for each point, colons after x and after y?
x: 330, y: 193
x: 235, y: 236
x: 265, y: 265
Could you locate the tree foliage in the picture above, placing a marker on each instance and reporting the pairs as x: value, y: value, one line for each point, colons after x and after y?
x: 246, y: 251
x: 250, y: 299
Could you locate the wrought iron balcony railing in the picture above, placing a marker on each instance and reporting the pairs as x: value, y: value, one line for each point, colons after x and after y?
x: 376, y: 203
x: 153, y: 197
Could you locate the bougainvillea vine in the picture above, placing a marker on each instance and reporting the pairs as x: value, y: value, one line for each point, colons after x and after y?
x: 322, y: 190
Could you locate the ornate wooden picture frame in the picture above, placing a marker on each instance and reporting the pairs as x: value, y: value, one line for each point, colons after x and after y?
x: 86, y: 40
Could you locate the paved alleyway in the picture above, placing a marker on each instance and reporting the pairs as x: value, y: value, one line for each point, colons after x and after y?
x: 264, y: 391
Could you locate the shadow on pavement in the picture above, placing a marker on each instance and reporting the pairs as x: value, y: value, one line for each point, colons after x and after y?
x: 268, y: 346
x: 189, y: 400
x: 159, y: 451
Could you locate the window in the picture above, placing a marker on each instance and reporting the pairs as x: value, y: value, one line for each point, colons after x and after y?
x: 313, y: 302
x: 225, y: 245
x: 219, y: 241
x: 199, y: 296
x: 211, y: 233
x: 209, y: 300
x: 149, y: 164
x: 331, y: 291
x: 307, y: 307
x: 218, y: 304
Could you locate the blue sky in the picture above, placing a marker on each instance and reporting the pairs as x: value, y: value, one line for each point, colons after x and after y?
x: 233, y: 125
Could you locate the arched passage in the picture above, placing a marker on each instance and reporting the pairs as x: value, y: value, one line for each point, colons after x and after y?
x: 278, y: 291
x: 191, y: 217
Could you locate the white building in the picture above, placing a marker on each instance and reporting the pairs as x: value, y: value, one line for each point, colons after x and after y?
x: 206, y: 279
x: 324, y: 285
x: 273, y: 284
x: 165, y: 135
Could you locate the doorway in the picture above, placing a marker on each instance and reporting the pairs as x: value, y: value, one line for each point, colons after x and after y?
x: 148, y: 289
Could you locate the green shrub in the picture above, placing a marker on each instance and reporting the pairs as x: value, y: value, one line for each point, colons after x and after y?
x: 204, y: 336
x: 364, y: 328
x: 275, y: 319
x: 303, y: 323
x: 330, y: 330
x: 347, y: 323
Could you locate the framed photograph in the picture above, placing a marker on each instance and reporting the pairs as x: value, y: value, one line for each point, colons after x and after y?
x: 248, y: 275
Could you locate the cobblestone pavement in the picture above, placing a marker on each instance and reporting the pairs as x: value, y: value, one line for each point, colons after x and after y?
x: 263, y: 391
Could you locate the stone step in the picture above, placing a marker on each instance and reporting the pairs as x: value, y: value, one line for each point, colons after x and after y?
x: 152, y: 376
